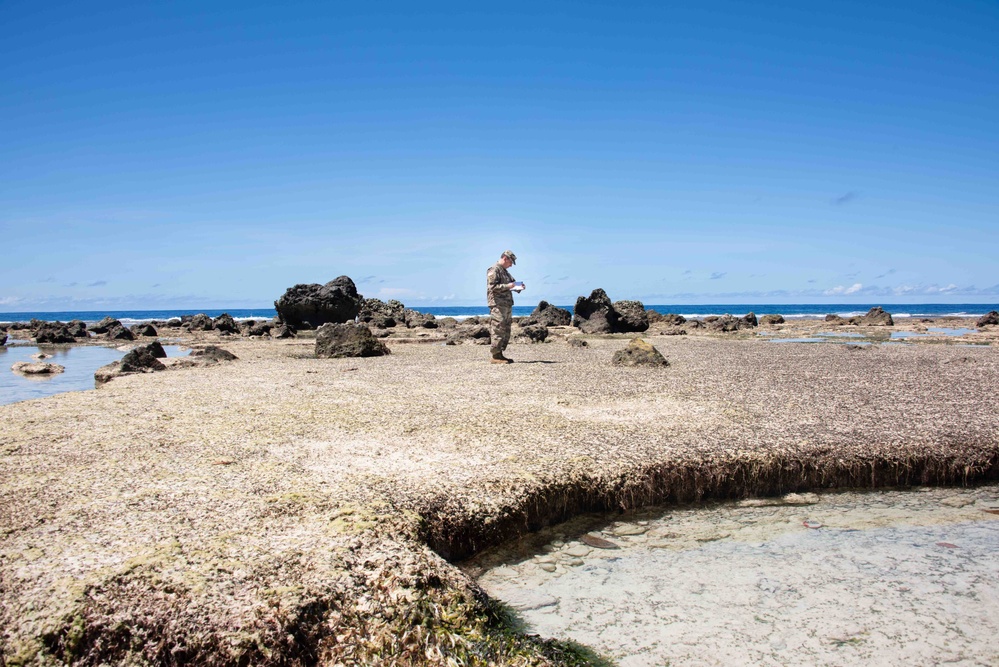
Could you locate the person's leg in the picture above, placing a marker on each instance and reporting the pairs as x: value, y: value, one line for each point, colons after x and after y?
x: 499, y: 330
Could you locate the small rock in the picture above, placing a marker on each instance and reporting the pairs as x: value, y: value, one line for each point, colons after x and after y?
x: 37, y: 368
x: 578, y: 551
x: 597, y: 542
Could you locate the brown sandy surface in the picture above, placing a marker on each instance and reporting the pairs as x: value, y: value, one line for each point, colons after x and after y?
x: 286, y: 509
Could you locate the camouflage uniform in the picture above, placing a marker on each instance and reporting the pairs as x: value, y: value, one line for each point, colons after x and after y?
x: 500, y: 300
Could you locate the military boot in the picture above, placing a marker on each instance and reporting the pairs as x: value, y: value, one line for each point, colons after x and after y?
x: 498, y: 358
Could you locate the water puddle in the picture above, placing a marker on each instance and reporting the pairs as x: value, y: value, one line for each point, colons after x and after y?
x: 891, y: 578
x: 933, y: 331
x: 80, y: 363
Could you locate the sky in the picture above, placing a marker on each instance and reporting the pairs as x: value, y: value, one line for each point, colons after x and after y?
x: 180, y: 154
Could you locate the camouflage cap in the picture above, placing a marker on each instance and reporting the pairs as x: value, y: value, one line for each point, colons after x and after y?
x: 509, y: 255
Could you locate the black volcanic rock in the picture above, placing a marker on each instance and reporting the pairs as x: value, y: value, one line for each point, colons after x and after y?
x: 382, y: 315
x: 337, y: 341
x: 631, y: 317
x: 213, y: 354
x: 311, y: 306
x: 77, y: 329
x: 595, y: 313
x: 53, y: 333
x: 549, y: 315
x: 990, y: 318
x: 535, y: 333
x: 225, y: 323
x: 200, y: 322
x: 143, y: 329
x: 877, y: 317
x: 120, y: 333
x: 104, y: 325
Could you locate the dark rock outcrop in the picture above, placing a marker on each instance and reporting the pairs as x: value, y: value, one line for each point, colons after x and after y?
x: 200, y: 322
x: 104, y: 325
x: 876, y: 317
x: 772, y: 319
x: 727, y: 323
x: 53, y: 333
x: 225, y: 323
x: 120, y: 333
x: 639, y: 353
x: 315, y: 305
x: 283, y: 331
x: 595, y: 313
x: 535, y: 333
x: 382, y: 315
x: 77, y: 329
x: 988, y: 319
x: 142, y: 359
x: 145, y: 329
x: 474, y: 333
x: 3, y: 337
x: 213, y: 354
x: 631, y: 317
x: 549, y: 315
x: 258, y: 328
x: 416, y: 320
x: 338, y: 341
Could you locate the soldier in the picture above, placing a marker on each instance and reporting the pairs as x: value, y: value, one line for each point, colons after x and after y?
x: 499, y: 287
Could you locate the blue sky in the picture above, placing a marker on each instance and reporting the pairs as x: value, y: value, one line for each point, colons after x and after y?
x: 212, y: 154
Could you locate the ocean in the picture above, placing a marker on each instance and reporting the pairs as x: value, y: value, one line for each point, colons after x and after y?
x: 690, y: 311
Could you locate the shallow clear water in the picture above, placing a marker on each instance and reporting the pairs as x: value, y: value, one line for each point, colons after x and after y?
x: 930, y: 331
x: 80, y: 363
x: 887, y: 578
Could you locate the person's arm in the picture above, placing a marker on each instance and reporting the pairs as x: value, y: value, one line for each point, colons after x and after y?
x: 495, y: 280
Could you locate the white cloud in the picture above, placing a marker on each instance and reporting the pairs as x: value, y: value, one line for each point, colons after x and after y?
x: 852, y: 289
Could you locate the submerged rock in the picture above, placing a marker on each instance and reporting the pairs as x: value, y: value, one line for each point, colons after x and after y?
x: 37, y: 368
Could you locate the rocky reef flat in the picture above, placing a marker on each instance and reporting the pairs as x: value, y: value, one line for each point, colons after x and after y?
x: 287, y: 509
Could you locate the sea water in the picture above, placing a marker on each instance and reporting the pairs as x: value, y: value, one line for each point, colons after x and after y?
x: 885, y: 578
x: 79, y: 361
x: 690, y: 311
